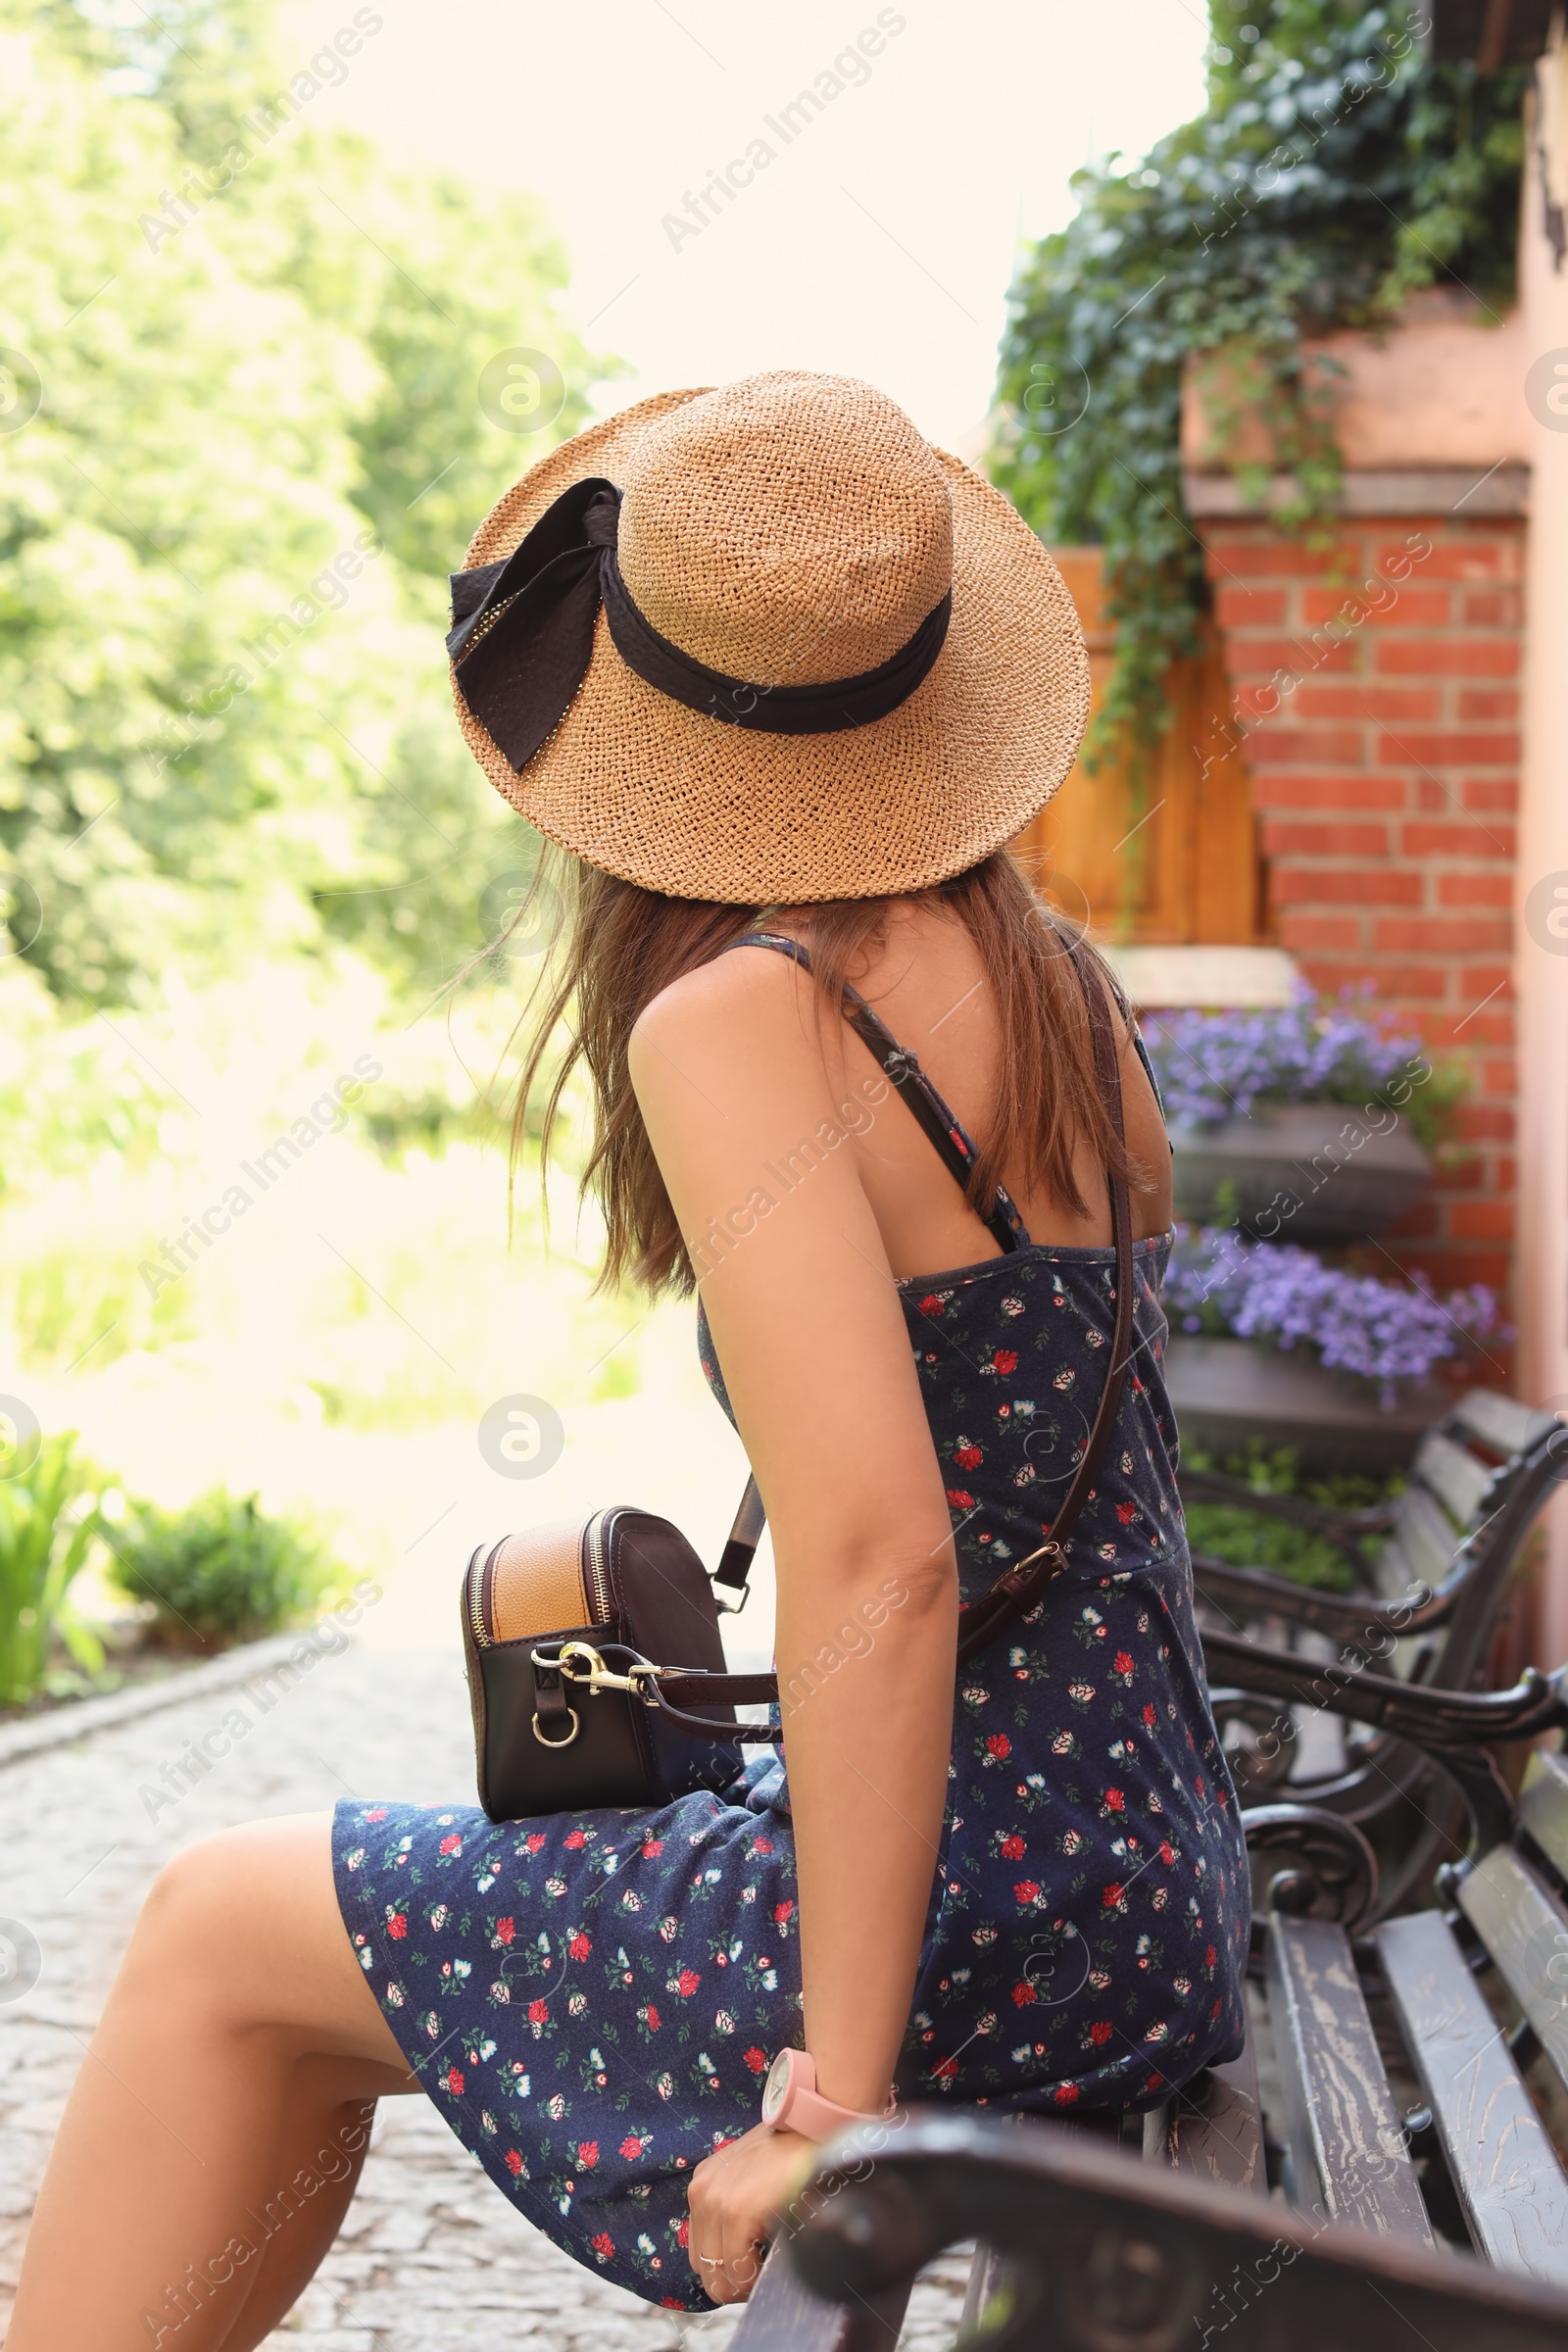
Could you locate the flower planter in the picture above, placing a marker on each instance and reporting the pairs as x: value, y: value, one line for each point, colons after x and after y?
x: 1316, y: 1173
x: 1228, y: 1392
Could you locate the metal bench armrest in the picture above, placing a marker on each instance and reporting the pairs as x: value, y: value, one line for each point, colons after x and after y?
x: 1106, y: 2251
x: 1453, y: 1729
x: 1258, y: 1591
x: 1346, y: 1529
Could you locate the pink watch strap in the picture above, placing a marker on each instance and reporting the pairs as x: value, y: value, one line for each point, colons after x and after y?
x: 791, y: 2100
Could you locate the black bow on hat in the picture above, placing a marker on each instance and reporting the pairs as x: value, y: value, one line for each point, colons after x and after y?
x: 522, y: 636
x: 519, y: 674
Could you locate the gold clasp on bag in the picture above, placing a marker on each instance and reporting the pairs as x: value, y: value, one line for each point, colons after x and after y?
x: 580, y: 1662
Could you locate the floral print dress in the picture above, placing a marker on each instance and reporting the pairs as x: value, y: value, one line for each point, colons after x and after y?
x: 593, y: 1999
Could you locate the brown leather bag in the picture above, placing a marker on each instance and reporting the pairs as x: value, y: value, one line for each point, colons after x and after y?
x: 564, y: 1628
x: 560, y: 1628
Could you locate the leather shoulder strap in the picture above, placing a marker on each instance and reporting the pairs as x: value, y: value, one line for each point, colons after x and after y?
x: 1017, y: 1591
x: 740, y: 1548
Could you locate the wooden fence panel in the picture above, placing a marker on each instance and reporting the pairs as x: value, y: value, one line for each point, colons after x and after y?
x: 1178, y: 863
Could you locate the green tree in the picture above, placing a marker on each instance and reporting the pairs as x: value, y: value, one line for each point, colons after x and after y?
x: 245, y: 445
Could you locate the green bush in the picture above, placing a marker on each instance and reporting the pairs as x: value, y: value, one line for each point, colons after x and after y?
x: 220, y: 1572
x: 48, y: 1519
x: 1249, y: 1540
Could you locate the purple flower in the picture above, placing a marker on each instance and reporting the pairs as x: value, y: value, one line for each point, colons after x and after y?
x: 1215, y: 1065
x: 1383, y: 1331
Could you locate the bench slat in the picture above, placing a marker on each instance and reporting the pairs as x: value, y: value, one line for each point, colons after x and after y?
x: 1543, y: 1808
x: 987, y: 2278
x: 1498, y: 1422
x: 1346, y: 2146
x: 1393, y: 1575
x: 1505, y: 2167
x: 1457, y: 1479
x: 1421, y: 1547
x: 1214, y: 2128
x: 1525, y: 1928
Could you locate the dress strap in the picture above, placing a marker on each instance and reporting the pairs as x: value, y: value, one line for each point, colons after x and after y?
x: 954, y: 1147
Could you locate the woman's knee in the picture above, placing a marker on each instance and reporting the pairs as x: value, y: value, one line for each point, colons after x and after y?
x: 243, y: 1933
x: 193, y: 1902
x: 217, y: 1903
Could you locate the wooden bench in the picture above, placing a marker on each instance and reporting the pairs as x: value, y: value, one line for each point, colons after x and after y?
x: 1398, y: 2121
x: 1433, y: 1571
x: 1431, y: 1567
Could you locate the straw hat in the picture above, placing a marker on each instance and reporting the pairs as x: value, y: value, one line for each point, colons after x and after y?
x: 774, y: 537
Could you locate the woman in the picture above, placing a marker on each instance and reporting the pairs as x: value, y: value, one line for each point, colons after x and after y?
x: 781, y: 680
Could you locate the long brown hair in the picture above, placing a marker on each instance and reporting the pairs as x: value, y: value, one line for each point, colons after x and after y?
x: 621, y: 945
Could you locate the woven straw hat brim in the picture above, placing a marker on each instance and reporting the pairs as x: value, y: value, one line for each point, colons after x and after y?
x: 644, y: 788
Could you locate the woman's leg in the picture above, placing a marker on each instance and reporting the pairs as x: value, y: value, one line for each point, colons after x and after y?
x: 214, y: 2134
x: 322, y: 2154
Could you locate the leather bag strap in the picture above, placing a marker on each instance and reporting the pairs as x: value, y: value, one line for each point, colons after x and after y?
x: 675, y: 1692
x: 563, y: 1662
x: 740, y: 1547
x: 1017, y: 1591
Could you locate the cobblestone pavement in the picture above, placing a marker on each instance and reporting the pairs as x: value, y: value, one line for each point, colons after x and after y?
x: 431, y: 2256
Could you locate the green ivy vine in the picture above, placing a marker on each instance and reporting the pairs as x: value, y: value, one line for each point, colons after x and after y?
x: 1333, y: 172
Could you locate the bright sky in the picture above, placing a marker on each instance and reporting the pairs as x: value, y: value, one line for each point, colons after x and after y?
x: 880, y: 238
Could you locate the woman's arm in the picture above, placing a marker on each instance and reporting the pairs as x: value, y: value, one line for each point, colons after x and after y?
x: 741, y: 1108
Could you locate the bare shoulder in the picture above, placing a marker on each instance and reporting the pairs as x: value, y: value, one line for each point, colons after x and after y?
x: 732, y: 1083
x: 748, y: 1006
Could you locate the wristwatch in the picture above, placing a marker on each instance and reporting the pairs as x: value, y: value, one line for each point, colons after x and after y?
x: 791, y: 2100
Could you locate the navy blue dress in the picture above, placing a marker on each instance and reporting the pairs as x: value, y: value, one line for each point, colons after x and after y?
x: 593, y: 1999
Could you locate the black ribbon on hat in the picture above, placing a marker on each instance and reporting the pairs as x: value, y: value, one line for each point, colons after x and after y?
x: 523, y: 635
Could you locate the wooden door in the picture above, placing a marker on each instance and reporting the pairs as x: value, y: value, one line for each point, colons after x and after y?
x: 1179, y: 863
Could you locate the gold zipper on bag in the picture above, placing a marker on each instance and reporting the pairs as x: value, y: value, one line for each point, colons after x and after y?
x: 477, y: 1602
x: 595, y: 1550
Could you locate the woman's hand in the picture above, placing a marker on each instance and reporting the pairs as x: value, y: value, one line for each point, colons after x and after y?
x: 736, y: 2199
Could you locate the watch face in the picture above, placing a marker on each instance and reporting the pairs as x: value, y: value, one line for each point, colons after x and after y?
x: 777, y: 2086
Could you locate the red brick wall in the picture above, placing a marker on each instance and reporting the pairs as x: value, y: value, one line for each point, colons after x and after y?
x: 1385, y: 779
